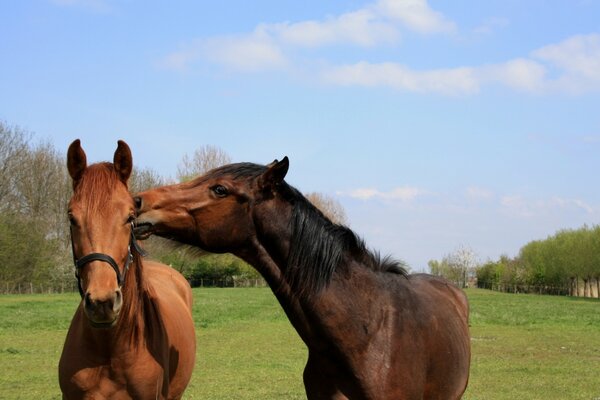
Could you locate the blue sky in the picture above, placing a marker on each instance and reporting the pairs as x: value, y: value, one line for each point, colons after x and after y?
x: 435, y: 124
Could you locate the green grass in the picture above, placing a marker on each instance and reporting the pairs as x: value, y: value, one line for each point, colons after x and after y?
x: 524, y: 346
x: 534, y: 347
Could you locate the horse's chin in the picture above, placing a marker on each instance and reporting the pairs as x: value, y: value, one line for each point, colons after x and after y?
x: 104, y: 324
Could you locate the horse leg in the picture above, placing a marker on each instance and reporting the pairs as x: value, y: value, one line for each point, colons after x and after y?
x: 319, y: 383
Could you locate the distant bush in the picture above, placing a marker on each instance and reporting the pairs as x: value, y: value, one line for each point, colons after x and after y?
x: 219, y: 267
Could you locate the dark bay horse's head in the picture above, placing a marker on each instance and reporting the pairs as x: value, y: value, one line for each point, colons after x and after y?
x: 216, y: 211
x: 101, y: 213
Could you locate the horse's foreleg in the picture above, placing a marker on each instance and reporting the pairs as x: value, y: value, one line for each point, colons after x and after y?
x: 319, y: 383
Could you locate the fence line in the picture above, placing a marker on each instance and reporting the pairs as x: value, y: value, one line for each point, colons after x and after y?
x: 529, y: 289
x: 228, y: 282
x: 68, y: 287
x: 32, y: 288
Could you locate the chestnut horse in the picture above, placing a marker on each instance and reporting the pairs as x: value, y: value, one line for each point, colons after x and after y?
x: 372, y: 331
x: 132, y: 336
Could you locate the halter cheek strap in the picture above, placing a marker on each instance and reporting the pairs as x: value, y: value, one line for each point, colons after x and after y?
x: 81, y: 262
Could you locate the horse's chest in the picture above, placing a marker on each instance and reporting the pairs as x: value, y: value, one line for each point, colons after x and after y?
x: 121, y: 379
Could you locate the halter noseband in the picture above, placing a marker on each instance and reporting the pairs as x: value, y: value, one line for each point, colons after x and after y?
x: 81, y: 262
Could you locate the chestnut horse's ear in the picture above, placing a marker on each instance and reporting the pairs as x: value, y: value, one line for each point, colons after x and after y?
x: 76, y: 161
x: 123, y: 161
x: 274, y: 174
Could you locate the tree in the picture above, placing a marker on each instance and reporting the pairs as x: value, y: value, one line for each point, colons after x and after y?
x: 144, y: 179
x: 329, y: 206
x: 42, y: 190
x: 13, y: 146
x: 203, y: 159
x: 558, y: 264
x: 458, y: 266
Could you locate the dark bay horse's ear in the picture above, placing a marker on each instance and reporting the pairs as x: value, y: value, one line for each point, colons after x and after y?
x: 123, y: 161
x: 274, y: 174
x: 76, y: 161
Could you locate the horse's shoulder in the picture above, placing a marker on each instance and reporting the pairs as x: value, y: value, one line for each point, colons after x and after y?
x: 167, y: 281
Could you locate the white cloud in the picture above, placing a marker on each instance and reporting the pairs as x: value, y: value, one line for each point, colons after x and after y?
x: 256, y: 52
x: 478, y: 193
x: 374, y: 24
x: 415, y: 15
x: 397, y: 76
x: 572, y: 203
x: 490, y: 25
x: 571, y: 66
x: 576, y: 60
x: 516, y: 205
x: 520, y: 74
x: 247, y: 53
x: 523, y: 207
x: 180, y: 60
x: 403, y: 193
x: 362, y: 28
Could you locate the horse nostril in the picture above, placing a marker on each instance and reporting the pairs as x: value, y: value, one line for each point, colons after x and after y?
x: 137, y: 200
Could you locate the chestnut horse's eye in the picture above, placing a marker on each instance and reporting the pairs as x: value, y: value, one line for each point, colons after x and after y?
x: 219, y: 190
x: 72, y: 219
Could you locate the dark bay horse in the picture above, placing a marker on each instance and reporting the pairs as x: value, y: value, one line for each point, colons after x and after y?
x: 372, y: 331
x: 132, y: 336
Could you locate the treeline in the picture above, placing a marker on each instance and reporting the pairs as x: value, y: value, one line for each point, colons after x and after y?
x: 35, y: 247
x: 34, y: 189
x: 567, y: 263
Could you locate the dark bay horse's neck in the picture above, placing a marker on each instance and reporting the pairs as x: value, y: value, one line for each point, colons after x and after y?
x: 267, y: 263
x: 318, y: 316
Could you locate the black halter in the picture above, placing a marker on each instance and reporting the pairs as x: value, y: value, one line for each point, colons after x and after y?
x: 80, y: 263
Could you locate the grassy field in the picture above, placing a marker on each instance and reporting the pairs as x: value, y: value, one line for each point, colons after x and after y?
x: 524, y: 346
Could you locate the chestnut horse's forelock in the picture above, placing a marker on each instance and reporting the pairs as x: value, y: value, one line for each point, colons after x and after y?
x: 96, y: 186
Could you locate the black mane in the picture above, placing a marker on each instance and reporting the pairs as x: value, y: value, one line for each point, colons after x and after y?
x: 318, y: 246
x: 236, y: 171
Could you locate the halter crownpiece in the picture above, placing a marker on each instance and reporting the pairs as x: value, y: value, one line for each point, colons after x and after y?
x: 81, y: 262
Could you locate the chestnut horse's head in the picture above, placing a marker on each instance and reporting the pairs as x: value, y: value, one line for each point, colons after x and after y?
x: 101, y: 213
x: 216, y: 211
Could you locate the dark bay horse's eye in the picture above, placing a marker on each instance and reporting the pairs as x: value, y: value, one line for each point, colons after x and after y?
x: 219, y: 190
